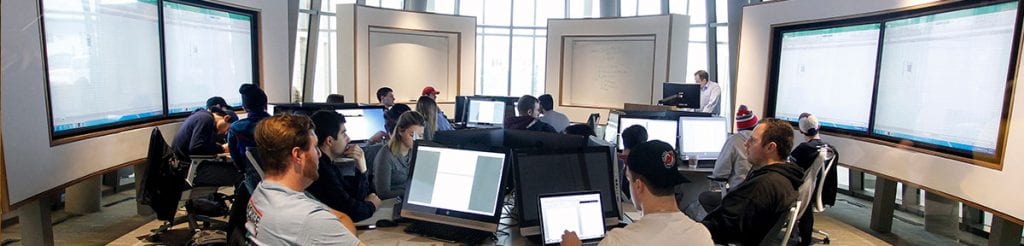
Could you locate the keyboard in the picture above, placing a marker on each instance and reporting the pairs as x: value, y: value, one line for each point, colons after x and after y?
x: 448, y: 233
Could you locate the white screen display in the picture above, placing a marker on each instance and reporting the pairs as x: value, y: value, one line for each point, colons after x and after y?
x: 829, y: 73
x: 611, y: 129
x: 702, y: 136
x: 664, y: 130
x: 943, y: 77
x: 209, y: 53
x: 458, y: 180
x: 361, y: 124
x: 488, y: 112
x: 103, y: 62
x: 577, y: 213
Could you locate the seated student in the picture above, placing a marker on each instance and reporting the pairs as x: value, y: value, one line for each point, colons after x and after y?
x: 391, y: 168
x: 351, y: 195
x: 529, y: 109
x: 391, y: 116
x: 751, y: 209
x: 386, y: 97
x: 436, y: 120
x: 280, y: 213
x: 220, y: 102
x: 652, y: 176
x: 335, y: 98
x: 804, y: 156
x: 548, y: 115
x: 199, y: 133
x: 631, y: 137
x: 241, y: 136
x: 732, y: 161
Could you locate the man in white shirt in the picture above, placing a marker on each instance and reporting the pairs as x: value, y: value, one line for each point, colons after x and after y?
x: 651, y: 170
x: 710, y: 93
x: 548, y: 115
x: 279, y: 212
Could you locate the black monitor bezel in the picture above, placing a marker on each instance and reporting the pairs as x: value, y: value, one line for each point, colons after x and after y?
x: 514, y: 156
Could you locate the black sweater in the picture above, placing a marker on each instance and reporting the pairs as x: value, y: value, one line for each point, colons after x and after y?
x: 345, y: 192
x: 528, y: 123
x: 748, y: 213
x: 197, y: 136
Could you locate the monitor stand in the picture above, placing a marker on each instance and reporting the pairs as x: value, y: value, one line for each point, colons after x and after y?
x: 448, y: 233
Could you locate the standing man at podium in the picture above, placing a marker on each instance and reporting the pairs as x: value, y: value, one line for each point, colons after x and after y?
x: 710, y: 93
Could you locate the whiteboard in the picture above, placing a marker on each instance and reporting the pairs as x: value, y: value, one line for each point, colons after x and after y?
x: 608, y: 72
x: 407, y: 61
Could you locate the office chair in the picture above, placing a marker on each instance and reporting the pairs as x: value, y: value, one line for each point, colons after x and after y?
x: 783, y: 229
x: 829, y: 161
x: 811, y: 184
x: 592, y: 120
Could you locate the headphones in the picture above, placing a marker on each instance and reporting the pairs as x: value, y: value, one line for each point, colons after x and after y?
x: 811, y: 132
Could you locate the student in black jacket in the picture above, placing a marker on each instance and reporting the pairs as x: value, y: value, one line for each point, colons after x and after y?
x: 529, y: 109
x: 346, y: 191
x: 199, y: 133
x: 748, y: 212
x: 804, y: 156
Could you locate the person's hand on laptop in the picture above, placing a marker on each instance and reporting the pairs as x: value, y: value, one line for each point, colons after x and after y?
x: 569, y: 238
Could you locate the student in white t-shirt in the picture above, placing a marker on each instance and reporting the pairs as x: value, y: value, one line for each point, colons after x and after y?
x: 651, y: 170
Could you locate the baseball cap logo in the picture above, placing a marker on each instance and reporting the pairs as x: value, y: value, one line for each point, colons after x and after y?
x: 667, y: 159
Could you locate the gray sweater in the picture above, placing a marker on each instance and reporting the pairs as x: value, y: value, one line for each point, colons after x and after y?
x: 391, y: 172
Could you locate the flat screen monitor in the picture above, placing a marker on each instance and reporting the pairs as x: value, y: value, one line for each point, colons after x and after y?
x: 209, y: 52
x: 689, y: 95
x: 611, y: 130
x: 542, y: 171
x: 657, y: 128
x: 103, y: 64
x: 578, y: 212
x: 702, y: 137
x: 460, y: 108
x: 362, y: 123
x: 812, y: 79
x: 455, y: 187
x: 943, y: 79
x: 485, y: 112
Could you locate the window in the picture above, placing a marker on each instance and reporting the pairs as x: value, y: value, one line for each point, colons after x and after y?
x: 639, y: 7
x: 512, y: 43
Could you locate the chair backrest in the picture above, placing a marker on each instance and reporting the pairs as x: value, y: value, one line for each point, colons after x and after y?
x: 370, y: 153
x: 593, y: 119
x: 806, y: 190
x: 830, y: 159
x: 250, y: 153
x: 783, y: 229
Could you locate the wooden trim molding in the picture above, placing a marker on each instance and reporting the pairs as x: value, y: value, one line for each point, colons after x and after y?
x: 61, y: 187
x: 561, y: 66
x: 940, y: 193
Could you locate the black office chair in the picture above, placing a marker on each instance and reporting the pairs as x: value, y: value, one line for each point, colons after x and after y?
x: 593, y: 119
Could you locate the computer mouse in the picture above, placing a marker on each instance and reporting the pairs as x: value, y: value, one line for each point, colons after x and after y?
x: 386, y: 223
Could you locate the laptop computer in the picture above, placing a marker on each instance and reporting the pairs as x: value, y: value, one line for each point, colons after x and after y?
x: 574, y: 211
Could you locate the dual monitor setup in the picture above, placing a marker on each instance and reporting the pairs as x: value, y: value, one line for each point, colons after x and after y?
x: 468, y: 181
x: 938, y: 76
x: 692, y: 135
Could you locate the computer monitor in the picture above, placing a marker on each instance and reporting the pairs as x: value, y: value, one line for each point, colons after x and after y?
x: 484, y: 112
x: 702, y: 137
x: 460, y: 108
x: 455, y: 187
x: 543, y: 171
x: 578, y: 212
x: 505, y: 139
x: 658, y: 128
x: 611, y: 130
x: 689, y: 95
x: 363, y: 122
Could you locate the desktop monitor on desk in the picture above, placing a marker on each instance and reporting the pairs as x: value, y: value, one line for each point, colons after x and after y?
x: 363, y: 122
x: 543, y: 171
x: 681, y: 95
x: 611, y: 134
x: 485, y: 113
x: 457, y: 187
x: 658, y: 128
x: 702, y: 137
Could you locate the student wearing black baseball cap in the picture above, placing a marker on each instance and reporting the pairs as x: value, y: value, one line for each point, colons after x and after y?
x: 652, y: 172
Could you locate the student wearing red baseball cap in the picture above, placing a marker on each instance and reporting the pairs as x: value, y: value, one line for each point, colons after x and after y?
x: 429, y: 91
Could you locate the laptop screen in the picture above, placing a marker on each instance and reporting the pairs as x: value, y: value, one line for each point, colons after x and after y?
x: 578, y: 212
